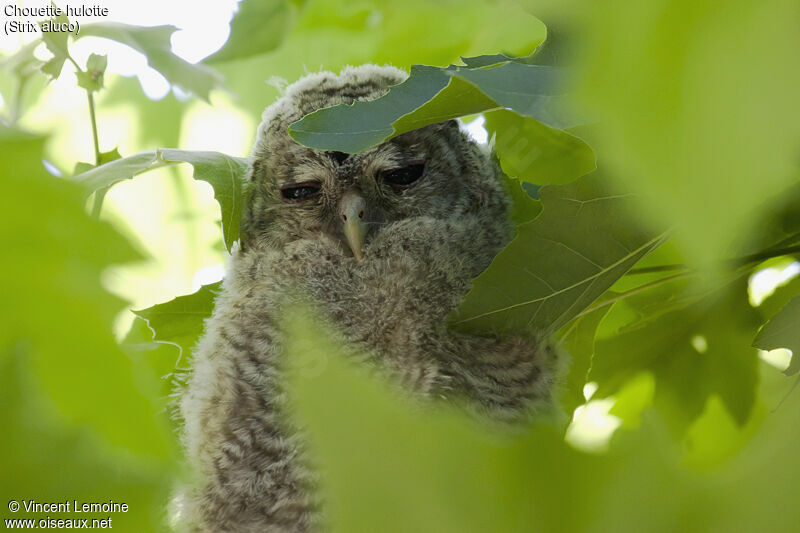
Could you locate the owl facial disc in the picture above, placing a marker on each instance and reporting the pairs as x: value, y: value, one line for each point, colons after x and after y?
x: 355, y: 226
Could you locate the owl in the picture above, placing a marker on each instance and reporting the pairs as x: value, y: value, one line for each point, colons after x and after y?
x: 385, y: 243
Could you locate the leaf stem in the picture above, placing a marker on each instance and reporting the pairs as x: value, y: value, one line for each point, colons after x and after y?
x: 791, y: 239
x: 71, y: 60
x: 631, y: 292
x: 686, y: 272
x: 658, y: 268
x: 766, y: 254
x: 94, y: 128
x: 739, y: 261
x: 100, y: 194
x: 789, y: 392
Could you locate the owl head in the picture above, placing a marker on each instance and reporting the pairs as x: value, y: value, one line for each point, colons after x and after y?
x: 298, y: 192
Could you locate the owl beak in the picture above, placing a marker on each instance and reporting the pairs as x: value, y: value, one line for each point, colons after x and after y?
x: 355, y: 226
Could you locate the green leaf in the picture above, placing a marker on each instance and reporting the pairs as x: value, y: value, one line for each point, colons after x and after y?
x: 61, y: 316
x: 524, y: 208
x: 111, y: 155
x: 716, y: 437
x: 22, y: 81
x: 159, y: 358
x: 413, y: 32
x: 22, y: 62
x: 558, y: 264
x: 780, y: 297
x: 225, y: 173
x: 494, y: 59
x: 693, y: 353
x: 783, y: 331
x: 659, y: 284
x: 97, y: 63
x: 56, y: 42
x: 579, y: 343
x: 364, y: 124
x: 154, y: 43
x: 82, y: 166
x: 117, y: 170
x: 105, y: 157
x: 541, y: 55
x: 257, y: 27
x: 631, y: 401
x: 532, y: 152
x: 431, y: 95
x: 781, y: 225
x: 456, y: 98
x: 92, y: 78
x: 180, y: 321
x: 535, y: 91
x: 665, y: 293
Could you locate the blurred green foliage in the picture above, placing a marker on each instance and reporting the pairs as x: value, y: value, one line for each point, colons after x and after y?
x: 639, y: 268
x: 698, y: 102
x: 81, y: 418
x: 154, y: 43
x: 390, y: 465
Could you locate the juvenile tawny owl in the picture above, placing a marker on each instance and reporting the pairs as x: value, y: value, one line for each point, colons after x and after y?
x: 386, y: 242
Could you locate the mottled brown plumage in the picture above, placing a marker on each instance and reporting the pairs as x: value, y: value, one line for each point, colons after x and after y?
x: 427, y: 213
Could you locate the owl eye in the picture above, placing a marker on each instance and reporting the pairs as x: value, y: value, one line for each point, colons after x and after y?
x: 403, y: 177
x: 301, y: 191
